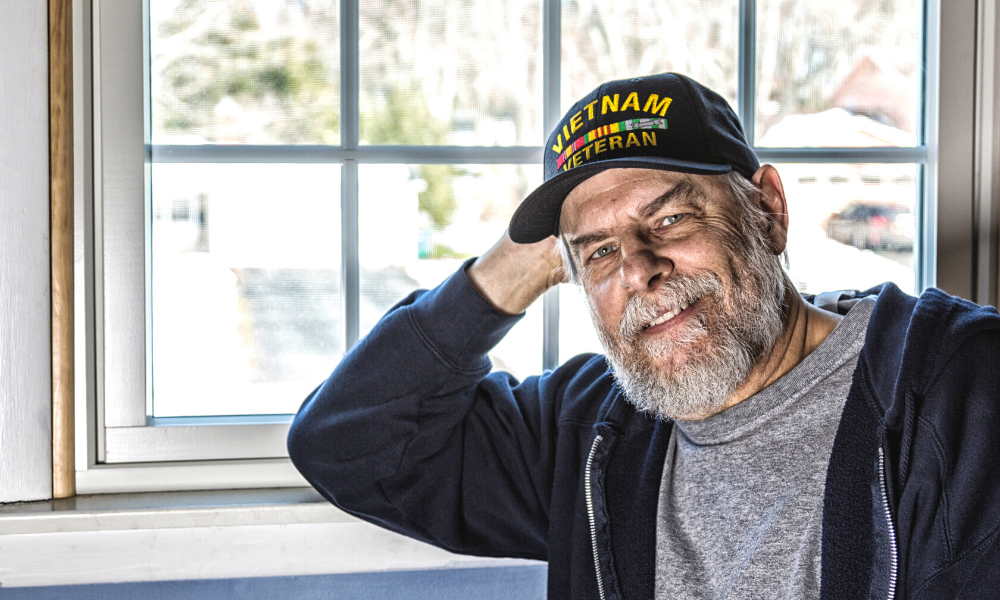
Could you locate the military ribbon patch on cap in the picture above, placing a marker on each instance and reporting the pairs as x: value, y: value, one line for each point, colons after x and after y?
x: 584, y: 142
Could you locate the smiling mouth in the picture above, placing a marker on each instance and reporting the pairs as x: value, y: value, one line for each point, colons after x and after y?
x: 670, y: 314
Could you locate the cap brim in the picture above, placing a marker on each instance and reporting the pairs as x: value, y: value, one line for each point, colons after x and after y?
x: 538, y: 215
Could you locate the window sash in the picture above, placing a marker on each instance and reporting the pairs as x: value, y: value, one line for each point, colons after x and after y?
x: 122, y: 432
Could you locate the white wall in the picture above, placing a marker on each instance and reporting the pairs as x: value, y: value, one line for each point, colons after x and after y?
x: 25, y: 357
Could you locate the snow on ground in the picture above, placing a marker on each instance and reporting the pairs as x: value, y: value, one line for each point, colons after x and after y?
x: 819, y: 264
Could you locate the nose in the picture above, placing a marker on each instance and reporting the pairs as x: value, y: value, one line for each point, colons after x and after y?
x: 642, y: 269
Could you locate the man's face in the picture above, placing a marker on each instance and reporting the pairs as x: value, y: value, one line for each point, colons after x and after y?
x: 681, y: 281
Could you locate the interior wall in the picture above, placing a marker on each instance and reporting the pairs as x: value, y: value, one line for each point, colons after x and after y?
x: 25, y: 357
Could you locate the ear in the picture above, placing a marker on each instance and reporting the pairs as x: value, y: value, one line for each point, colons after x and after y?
x: 774, y: 204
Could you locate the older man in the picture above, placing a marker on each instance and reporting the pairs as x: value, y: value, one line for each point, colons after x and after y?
x: 742, y: 443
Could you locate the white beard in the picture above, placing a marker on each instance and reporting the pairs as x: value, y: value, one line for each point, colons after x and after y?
x: 722, y: 341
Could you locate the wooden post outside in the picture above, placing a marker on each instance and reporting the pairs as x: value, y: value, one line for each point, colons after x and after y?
x: 61, y: 195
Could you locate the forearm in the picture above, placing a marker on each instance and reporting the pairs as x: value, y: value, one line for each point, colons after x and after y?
x: 352, y: 431
x: 512, y: 276
x: 410, y: 428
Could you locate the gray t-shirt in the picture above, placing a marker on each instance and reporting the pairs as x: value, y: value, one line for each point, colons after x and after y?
x: 741, y: 501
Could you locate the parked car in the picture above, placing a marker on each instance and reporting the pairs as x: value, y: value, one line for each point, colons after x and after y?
x: 872, y: 225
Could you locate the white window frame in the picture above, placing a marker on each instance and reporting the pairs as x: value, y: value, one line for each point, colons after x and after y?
x: 121, y: 448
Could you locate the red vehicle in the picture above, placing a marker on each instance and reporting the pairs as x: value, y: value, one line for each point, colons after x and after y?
x: 872, y: 225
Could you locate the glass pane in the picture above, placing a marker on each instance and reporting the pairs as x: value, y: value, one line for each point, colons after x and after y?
x: 417, y: 225
x: 245, y: 72
x: 838, y: 74
x: 852, y: 226
x: 460, y: 73
x: 246, y: 286
x: 605, y: 39
x: 576, y: 329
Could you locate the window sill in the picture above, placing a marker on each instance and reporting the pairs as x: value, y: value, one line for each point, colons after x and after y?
x: 201, y: 535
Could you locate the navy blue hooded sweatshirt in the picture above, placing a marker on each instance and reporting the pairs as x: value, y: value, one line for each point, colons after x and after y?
x: 412, y: 432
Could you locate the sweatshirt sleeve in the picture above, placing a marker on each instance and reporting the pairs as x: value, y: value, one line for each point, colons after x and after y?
x: 958, y: 494
x: 413, y: 433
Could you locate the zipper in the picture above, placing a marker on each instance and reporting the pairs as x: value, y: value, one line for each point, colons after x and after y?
x: 590, y: 514
x: 894, y: 564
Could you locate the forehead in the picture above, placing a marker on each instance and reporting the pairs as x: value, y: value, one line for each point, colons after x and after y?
x: 617, y: 194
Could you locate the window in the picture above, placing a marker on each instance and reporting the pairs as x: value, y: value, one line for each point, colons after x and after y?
x: 272, y: 176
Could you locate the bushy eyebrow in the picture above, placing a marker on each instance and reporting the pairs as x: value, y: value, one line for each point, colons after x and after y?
x: 681, y: 190
x: 587, y: 239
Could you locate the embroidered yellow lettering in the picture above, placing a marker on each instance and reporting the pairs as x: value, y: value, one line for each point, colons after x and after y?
x: 632, y: 100
x: 599, y: 146
x: 615, y: 141
x: 648, y: 138
x: 566, y: 132
x: 651, y: 103
x: 576, y: 159
x: 558, y: 147
x: 607, y: 103
x: 633, y: 140
x: 590, y: 110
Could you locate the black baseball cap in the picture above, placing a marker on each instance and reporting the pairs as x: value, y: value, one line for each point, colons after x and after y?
x: 667, y: 121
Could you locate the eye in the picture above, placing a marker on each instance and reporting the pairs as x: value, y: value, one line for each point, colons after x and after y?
x: 604, y: 251
x: 671, y: 219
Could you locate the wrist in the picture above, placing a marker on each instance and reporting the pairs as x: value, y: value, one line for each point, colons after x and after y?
x: 512, y: 276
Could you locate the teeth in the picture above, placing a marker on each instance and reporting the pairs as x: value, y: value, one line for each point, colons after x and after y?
x: 667, y: 316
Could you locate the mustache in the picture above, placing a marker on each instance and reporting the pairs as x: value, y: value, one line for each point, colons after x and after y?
x: 677, y: 291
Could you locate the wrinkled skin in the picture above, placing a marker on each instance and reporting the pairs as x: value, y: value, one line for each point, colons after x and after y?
x: 649, y: 245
